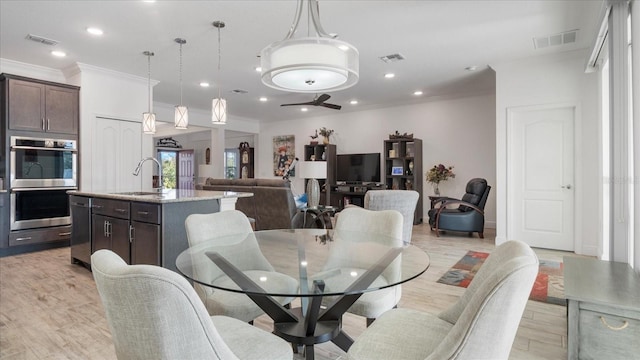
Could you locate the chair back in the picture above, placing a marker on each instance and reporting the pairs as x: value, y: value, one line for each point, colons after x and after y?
x: 487, y: 316
x: 404, y: 201
x: 476, y: 193
x: 218, y: 227
x: 154, y: 313
x: 363, y: 222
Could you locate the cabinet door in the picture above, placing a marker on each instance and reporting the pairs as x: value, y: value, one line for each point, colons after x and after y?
x: 145, y: 243
x: 61, y: 110
x: 120, y: 243
x: 115, y: 153
x: 26, y: 105
x: 112, y: 234
x: 99, y: 234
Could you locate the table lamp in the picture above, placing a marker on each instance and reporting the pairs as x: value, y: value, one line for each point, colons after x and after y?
x: 313, y: 170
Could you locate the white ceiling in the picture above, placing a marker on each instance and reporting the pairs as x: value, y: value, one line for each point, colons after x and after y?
x: 437, y: 38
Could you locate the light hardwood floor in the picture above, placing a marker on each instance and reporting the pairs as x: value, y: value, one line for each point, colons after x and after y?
x: 50, y: 309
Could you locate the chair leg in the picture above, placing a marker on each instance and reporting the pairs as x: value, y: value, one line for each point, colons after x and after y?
x: 481, y: 234
x: 370, y: 321
x: 251, y: 322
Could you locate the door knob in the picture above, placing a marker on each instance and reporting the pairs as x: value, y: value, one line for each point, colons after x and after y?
x: 568, y: 186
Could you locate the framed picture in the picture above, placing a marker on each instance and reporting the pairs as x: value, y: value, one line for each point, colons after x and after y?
x: 397, y: 170
x: 284, y: 151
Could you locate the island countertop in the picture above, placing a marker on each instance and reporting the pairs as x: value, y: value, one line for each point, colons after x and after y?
x: 166, y: 196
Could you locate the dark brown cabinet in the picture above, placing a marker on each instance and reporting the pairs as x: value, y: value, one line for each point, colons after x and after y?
x: 42, y: 107
x: 130, y: 229
x: 403, y: 168
x: 326, y: 153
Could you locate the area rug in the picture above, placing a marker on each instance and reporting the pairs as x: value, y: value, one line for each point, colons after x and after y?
x: 549, y: 285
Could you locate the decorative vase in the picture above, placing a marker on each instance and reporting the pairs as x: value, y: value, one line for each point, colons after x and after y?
x: 325, y: 140
x: 436, y: 190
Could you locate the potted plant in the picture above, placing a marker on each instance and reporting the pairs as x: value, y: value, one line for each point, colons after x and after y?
x: 326, y: 133
x: 437, y: 174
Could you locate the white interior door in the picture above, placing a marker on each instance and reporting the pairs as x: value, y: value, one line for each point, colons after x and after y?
x: 540, y: 178
x: 186, y: 169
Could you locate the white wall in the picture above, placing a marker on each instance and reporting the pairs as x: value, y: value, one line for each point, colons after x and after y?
x: 459, y: 132
x: 554, y: 79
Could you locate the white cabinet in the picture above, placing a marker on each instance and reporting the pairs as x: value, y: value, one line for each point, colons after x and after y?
x: 116, y: 150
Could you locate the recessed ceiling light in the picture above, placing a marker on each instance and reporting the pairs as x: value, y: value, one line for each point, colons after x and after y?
x: 58, y: 53
x: 353, y: 102
x: 204, y: 84
x: 263, y: 99
x: 95, y: 31
x: 149, y: 1
x: 417, y: 93
x: 258, y: 69
x: 389, y: 75
x: 471, y: 68
x: 304, y: 109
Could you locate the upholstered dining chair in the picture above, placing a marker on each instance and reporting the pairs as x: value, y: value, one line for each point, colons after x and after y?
x: 154, y: 313
x: 404, y: 201
x: 362, y: 221
x: 482, y: 324
x: 468, y: 216
x: 216, y: 226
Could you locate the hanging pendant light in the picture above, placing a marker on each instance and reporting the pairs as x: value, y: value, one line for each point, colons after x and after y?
x: 219, y: 105
x: 149, y: 118
x: 181, y: 119
x: 309, y: 64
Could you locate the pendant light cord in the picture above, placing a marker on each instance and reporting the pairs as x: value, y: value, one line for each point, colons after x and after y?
x: 219, y: 60
x: 180, y: 74
x: 149, y: 79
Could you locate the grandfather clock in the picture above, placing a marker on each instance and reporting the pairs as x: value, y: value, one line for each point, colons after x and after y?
x: 246, y: 161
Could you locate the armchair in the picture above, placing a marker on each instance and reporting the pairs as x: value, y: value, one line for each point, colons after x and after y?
x: 468, y: 216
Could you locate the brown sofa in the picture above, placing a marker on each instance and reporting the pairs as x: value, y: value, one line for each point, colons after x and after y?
x: 272, y: 204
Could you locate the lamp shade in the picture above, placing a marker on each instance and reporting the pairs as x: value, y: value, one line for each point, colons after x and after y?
x: 181, y: 120
x: 219, y: 111
x: 312, y: 170
x: 310, y: 64
x: 206, y: 171
x: 149, y: 123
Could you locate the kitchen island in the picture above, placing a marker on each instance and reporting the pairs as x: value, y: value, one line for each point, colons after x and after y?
x: 142, y: 227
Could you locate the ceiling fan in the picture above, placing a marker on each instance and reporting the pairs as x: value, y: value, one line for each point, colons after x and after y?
x: 318, y: 101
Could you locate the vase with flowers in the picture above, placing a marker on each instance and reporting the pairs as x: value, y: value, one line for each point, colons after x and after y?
x: 326, y: 134
x: 437, y: 174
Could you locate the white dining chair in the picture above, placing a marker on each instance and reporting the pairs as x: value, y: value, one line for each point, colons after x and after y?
x: 154, y: 313
x: 216, y: 229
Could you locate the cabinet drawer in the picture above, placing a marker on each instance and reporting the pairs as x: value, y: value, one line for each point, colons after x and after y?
x: 38, y: 236
x: 145, y: 212
x: 607, y: 336
x: 114, y: 208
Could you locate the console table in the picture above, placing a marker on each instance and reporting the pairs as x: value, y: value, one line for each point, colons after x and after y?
x: 603, y: 309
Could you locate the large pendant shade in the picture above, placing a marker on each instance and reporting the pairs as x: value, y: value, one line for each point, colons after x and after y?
x: 219, y: 111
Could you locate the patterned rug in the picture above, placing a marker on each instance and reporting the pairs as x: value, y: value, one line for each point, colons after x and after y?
x: 549, y: 285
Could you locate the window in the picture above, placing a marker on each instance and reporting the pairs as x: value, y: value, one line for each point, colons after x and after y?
x: 169, y: 165
x: 231, y: 160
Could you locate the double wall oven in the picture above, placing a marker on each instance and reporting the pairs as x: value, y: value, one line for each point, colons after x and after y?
x: 41, y: 173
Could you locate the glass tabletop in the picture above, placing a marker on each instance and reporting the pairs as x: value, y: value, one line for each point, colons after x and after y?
x: 339, y: 260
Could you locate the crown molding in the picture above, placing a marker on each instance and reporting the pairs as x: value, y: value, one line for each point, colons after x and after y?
x: 30, y: 70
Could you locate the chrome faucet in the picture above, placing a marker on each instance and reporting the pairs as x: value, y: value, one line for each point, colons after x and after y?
x: 136, y: 172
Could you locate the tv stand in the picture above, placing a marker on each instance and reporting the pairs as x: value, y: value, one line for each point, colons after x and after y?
x: 344, y: 194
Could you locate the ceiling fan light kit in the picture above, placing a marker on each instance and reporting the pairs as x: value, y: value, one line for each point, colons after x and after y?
x: 309, y: 64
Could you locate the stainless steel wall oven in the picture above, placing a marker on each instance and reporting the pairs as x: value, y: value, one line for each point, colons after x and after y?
x: 39, y: 163
x: 41, y: 172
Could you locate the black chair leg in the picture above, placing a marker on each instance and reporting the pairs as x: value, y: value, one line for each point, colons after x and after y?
x: 481, y: 234
x: 370, y: 321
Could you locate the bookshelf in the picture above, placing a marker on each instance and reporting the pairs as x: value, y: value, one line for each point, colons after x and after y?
x: 403, y: 168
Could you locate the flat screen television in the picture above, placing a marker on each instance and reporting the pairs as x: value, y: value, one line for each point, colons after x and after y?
x: 358, y: 168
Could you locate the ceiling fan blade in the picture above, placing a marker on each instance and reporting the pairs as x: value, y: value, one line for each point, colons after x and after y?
x: 322, y: 98
x: 304, y: 103
x: 331, y: 106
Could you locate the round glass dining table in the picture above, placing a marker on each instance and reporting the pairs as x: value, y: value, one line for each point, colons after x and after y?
x: 326, y: 263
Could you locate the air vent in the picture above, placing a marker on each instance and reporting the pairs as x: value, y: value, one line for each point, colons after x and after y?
x: 41, y: 39
x: 239, y: 91
x: 563, y: 38
x: 392, y: 58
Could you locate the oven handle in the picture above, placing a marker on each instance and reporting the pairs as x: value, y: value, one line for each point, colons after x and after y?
x: 43, y: 188
x: 20, y: 147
